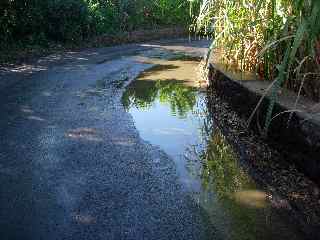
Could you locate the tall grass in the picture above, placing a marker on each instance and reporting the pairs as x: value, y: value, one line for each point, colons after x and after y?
x: 280, y: 39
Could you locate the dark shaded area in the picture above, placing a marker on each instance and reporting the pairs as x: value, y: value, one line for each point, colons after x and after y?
x: 182, y: 57
x: 36, y: 22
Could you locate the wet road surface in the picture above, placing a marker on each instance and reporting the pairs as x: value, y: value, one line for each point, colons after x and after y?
x: 83, y: 157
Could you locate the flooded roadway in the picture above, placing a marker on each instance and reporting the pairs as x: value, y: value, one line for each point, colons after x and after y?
x: 169, y: 108
x: 117, y: 143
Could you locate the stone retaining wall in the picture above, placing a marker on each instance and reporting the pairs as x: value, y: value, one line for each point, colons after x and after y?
x: 299, y: 141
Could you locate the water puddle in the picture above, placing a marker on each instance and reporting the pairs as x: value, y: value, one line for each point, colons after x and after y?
x: 169, y: 110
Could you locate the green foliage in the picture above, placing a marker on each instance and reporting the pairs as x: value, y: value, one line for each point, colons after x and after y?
x: 36, y: 21
x: 20, y: 19
x: 104, y: 16
x: 67, y: 20
x: 220, y: 170
x: 143, y: 94
x: 225, y: 183
x: 277, y: 38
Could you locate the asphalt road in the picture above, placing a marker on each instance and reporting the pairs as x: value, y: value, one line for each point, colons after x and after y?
x: 72, y: 164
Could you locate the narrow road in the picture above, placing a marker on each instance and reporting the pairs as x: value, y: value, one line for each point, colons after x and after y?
x: 72, y: 164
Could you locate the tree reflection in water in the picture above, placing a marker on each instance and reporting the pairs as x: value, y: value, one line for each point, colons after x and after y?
x: 228, y: 193
x: 142, y: 94
x: 220, y: 168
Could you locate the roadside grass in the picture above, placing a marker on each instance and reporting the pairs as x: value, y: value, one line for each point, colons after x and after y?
x: 278, y: 39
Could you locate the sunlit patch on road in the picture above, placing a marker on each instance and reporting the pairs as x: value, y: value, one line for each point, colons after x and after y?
x: 88, y: 134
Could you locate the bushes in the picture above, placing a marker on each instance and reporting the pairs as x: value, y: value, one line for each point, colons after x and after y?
x: 104, y: 17
x: 67, y: 20
x: 7, y: 19
x: 36, y: 21
x: 18, y: 19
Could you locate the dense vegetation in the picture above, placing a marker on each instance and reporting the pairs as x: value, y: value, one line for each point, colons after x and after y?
x: 280, y: 39
x: 37, y: 21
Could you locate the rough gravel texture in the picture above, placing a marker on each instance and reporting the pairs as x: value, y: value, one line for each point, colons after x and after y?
x: 72, y: 165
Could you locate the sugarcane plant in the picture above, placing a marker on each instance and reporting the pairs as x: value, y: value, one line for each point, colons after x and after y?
x: 279, y: 39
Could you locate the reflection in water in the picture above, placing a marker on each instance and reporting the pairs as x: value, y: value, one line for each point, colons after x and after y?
x: 219, y: 169
x: 228, y: 194
x: 251, y: 198
x: 170, y: 112
x: 143, y: 94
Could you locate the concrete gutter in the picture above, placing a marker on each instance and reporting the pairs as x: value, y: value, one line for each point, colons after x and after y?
x: 299, y: 140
